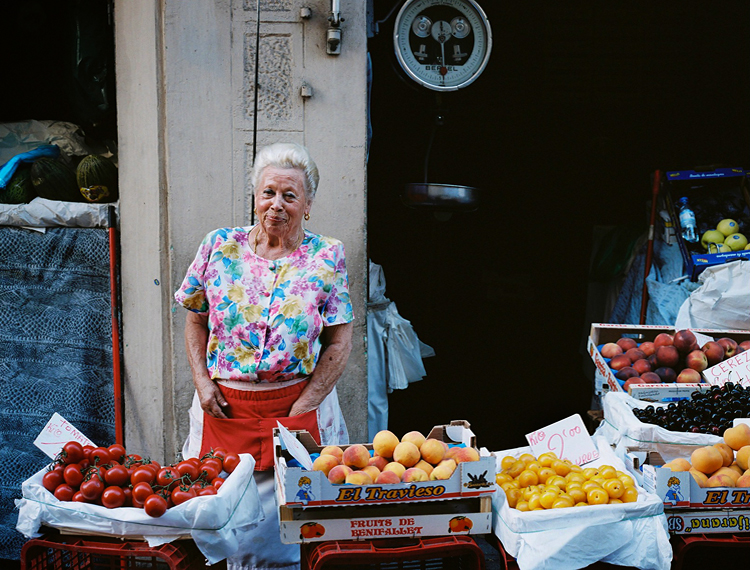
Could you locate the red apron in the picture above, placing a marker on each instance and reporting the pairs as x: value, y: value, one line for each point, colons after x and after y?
x: 252, y: 415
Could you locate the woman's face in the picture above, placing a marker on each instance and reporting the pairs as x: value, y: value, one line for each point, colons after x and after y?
x: 280, y: 200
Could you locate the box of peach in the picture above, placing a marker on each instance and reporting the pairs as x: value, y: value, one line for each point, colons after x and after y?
x: 554, y: 513
x: 659, y: 363
x: 411, y: 486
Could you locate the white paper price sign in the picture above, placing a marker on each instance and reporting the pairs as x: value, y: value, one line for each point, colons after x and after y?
x: 57, y: 433
x: 735, y: 369
x: 294, y: 447
x: 568, y: 439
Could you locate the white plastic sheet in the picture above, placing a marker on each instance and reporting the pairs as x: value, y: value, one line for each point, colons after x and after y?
x: 722, y: 301
x: 630, y: 534
x: 625, y: 431
x: 43, y: 213
x: 215, y: 523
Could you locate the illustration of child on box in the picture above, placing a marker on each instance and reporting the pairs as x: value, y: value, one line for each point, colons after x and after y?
x: 673, y: 495
x: 304, y: 495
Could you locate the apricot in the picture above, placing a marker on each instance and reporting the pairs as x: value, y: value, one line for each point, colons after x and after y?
x: 407, y: 454
x: 413, y: 475
x: 384, y: 443
x: 700, y: 478
x: 337, y: 475
x: 325, y: 463
x: 334, y: 450
x: 358, y: 478
x: 387, y: 478
x: 433, y: 451
x: 356, y: 456
x: 414, y: 437
x: 706, y: 459
x: 726, y: 452
x: 679, y: 464
x: 737, y: 437
x: 743, y: 457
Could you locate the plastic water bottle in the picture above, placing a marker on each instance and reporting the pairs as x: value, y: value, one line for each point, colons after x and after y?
x: 687, y: 221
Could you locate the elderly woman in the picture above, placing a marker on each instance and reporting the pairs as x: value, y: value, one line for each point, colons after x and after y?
x: 268, y: 332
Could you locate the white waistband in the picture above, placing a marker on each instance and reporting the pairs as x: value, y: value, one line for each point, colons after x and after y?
x: 240, y: 385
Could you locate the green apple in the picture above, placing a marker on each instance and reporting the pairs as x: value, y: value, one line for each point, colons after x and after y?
x: 727, y: 227
x: 712, y: 236
x: 736, y: 242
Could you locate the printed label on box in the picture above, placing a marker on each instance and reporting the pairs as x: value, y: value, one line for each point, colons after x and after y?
x: 705, y: 522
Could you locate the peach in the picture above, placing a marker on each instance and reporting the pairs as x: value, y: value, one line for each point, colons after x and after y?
x: 466, y: 454
x: 726, y: 452
x: 737, y: 437
x: 743, y: 457
x: 743, y: 481
x: 396, y: 467
x: 635, y: 354
x: 641, y: 366
x: 720, y: 480
x: 647, y: 347
x: 714, y: 352
x: 706, y: 459
x: 650, y: 378
x: 325, y: 463
x: 384, y: 443
x: 611, y: 349
x: 451, y: 452
x: 697, y: 360
x: 653, y: 361
x: 730, y: 347
x: 413, y: 475
x: 378, y: 461
x: 443, y: 470
x: 700, y: 478
x: 387, y: 478
x: 663, y: 339
x: 407, y: 454
x: 432, y: 451
x: 679, y: 464
x: 626, y: 372
x: 337, y: 474
x: 414, y: 437
x: 743, y: 346
x: 689, y: 376
x: 356, y: 456
x: 626, y: 343
x: 630, y: 381
x: 731, y: 473
x: 358, y: 478
x: 334, y: 450
x: 619, y: 361
x: 667, y: 375
x: 424, y: 466
x: 684, y: 341
x: 667, y: 356
x: 737, y: 469
x: 372, y: 471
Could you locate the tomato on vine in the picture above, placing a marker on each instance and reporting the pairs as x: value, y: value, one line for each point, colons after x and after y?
x: 113, y: 497
x: 64, y: 492
x: 100, y: 456
x: 72, y: 452
x: 143, y: 474
x: 117, y: 452
x: 52, y: 480
x: 73, y: 475
x: 117, y: 475
x: 188, y: 468
x: 231, y: 461
x: 92, y: 488
x: 168, y: 477
x: 155, y: 506
x: 142, y: 491
x: 181, y: 494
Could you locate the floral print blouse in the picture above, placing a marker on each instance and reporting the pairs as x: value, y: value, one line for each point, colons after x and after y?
x: 265, y: 317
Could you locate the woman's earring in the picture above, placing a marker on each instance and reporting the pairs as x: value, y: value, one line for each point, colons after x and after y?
x: 307, y: 216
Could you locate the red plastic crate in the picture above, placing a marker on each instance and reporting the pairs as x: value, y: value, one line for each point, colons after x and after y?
x: 433, y: 553
x: 682, y: 545
x: 58, y: 552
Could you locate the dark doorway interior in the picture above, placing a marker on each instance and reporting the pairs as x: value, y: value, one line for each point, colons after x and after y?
x: 578, y: 105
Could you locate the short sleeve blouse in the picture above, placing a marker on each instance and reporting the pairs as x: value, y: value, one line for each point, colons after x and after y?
x: 265, y: 317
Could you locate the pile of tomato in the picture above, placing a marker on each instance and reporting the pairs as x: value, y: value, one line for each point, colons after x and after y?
x: 111, y: 477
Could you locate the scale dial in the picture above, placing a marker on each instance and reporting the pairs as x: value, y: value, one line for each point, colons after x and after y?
x: 443, y: 45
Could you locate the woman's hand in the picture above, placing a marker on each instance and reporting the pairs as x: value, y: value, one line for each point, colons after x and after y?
x: 337, y: 344
x: 196, y: 340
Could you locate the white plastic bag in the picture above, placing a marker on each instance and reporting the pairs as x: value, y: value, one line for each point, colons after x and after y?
x: 722, y: 301
x: 630, y: 534
x: 215, y: 522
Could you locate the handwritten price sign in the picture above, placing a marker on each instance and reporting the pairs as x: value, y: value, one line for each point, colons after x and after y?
x: 568, y: 439
x: 57, y: 433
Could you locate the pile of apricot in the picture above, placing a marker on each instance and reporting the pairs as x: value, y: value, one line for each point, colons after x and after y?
x: 547, y: 482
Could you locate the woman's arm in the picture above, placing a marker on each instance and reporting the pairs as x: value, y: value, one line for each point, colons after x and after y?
x: 196, y: 341
x: 337, y: 344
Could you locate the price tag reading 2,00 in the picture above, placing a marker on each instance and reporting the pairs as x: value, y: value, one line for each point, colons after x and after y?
x: 568, y: 439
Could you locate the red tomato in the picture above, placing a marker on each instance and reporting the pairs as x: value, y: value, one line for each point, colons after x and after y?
x: 128, y: 492
x: 194, y: 460
x: 187, y: 468
x: 231, y: 461
x: 87, y: 451
x: 217, y: 462
x: 117, y: 452
x: 155, y: 506
x: 218, y: 482
x: 64, y: 492
x: 168, y: 477
x: 100, y: 456
x: 143, y: 474
x: 92, y: 488
x: 142, y: 491
x: 72, y: 452
x: 137, y: 504
x: 182, y: 494
x: 52, y: 480
x: 73, y: 475
x: 117, y: 475
x: 209, y: 472
x: 207, y: 491
x: 79, y: 498
x: 113, y: 497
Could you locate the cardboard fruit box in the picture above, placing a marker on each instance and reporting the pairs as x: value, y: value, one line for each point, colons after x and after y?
x: 324, y: 511
x: 604, y: 378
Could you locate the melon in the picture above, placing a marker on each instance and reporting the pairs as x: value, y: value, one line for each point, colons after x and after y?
x: 20, y: 190
x: 54, y: 180
x: 97, y: 178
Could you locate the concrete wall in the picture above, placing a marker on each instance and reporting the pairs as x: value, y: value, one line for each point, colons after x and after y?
x: 185, y: 74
